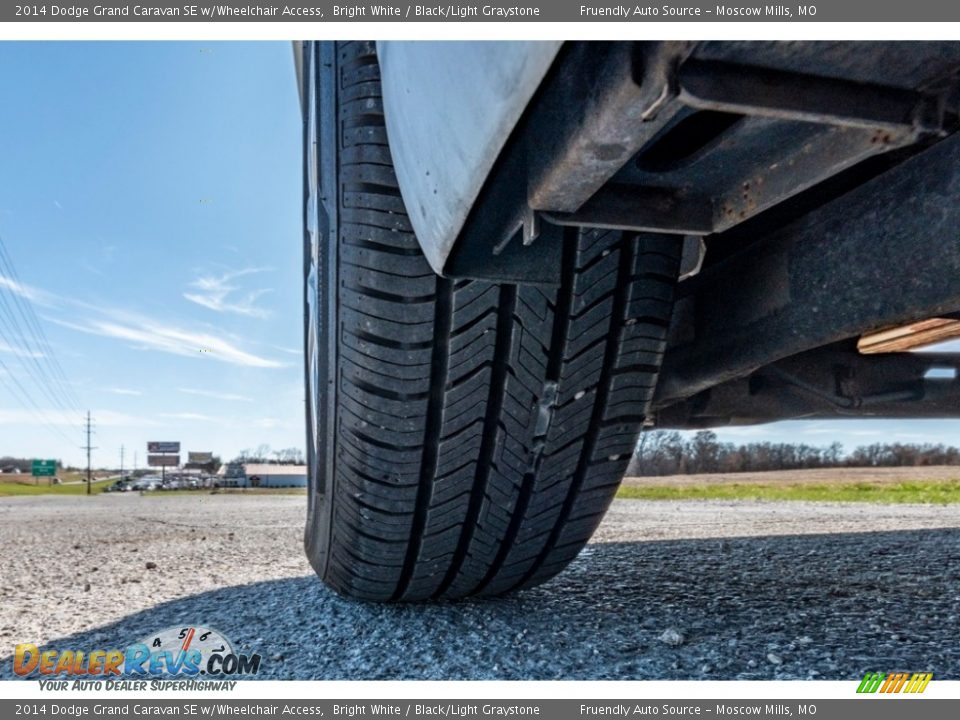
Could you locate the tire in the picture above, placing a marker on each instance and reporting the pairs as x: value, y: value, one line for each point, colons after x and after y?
x: 469, y: 436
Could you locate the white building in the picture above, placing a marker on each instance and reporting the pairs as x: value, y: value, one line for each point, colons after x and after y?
x: 257, y: 475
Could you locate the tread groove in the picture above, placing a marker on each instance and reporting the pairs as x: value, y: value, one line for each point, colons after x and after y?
x: 558, y: 338
x: 502, y: 351
x: 599, y: 405
x: 438, y: 380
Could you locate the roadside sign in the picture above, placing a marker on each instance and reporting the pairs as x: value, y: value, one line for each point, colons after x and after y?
x: 200, y: 458
x: 163, y: 447
x: 163, y: 460
x: 44, y: 468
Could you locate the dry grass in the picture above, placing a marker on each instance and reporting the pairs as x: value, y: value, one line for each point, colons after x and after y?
x: 937, y: 485
x: 801, y: 477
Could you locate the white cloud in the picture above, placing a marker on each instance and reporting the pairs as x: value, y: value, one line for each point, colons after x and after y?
x: 216, y: 396
x: 147, y: 334
x: 123, y: 391
x: 189, y: 416
x: 25, y: 291
x: 814, y: 428
x: 92, y: 269
x: 269, y: 423
x: 220, y: 294
x: 102, y: 418
x: 18, y: 352
x: 744, y: 431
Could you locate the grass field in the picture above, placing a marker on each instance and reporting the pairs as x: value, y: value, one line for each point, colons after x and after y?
x: 935, y: 485
x: 940, y: 486
x: 233, y: 491
x: 8, y: 489
x: 12, y: 489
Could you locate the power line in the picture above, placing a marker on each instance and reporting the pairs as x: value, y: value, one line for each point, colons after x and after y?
x: 49, y: 375
x: 35, y: 327
x: 28, y: 354
x: 39, y: 348
x: 28, y: 402
x: 54, y: 390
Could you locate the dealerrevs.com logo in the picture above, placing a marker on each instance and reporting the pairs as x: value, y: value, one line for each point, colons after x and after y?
x: 190, y: 652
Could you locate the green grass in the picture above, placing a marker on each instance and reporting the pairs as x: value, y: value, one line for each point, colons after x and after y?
x: 232, y: 491
x: 8, y: 489
x: 937, y: 492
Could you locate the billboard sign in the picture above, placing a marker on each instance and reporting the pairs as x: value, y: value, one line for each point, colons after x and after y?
x: 44, y: 468
x: 163, y: 460
x: 200, y: 458
x: 163, y: 447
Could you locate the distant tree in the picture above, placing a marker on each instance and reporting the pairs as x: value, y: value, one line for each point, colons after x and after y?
x: 291, y: 455
x: 661, y: 452
x: 260, y: 455
x: 8, y: 462
x: 704, y: 452
x: 833, y: 455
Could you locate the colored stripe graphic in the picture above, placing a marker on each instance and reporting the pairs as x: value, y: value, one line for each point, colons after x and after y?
x: 871, y: 683
x: 894, y: 682
x: 918, y: 683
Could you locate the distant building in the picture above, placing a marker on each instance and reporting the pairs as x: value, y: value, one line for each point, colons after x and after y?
x: 262, y: 475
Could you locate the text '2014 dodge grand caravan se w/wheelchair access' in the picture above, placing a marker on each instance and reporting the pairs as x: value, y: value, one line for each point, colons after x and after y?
x: 519, y: 255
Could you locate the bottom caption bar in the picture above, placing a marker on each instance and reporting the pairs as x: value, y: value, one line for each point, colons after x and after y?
x: 873, y: 707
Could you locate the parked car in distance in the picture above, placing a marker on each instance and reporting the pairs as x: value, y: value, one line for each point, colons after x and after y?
x: 146, y: 483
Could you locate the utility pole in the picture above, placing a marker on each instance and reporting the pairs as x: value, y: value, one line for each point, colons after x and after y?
x: 121, y: 463
x: 88, y: 448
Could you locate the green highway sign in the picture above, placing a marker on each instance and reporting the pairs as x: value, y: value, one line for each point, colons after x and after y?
x: 44, y: 468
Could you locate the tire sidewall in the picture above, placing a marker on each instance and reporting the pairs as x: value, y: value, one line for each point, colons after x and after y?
x: 321, y: 366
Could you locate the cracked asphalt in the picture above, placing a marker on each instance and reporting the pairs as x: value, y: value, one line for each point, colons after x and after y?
x: 667, y: 590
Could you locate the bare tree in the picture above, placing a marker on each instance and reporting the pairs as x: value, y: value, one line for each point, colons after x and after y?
x: 290, y: 455
x: 668, y: 453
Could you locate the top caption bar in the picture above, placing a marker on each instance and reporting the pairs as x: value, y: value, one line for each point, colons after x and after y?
x: 546, y: 11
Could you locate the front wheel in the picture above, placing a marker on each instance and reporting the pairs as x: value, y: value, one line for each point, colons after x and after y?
x: 466, y: 437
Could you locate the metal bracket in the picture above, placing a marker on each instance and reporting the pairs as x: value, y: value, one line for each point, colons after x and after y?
x: 882, y: 255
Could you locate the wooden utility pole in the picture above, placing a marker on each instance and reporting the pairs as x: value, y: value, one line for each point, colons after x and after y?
x: 88, y: 448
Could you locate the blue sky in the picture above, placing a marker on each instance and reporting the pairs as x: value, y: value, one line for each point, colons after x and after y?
x: 150, y: 200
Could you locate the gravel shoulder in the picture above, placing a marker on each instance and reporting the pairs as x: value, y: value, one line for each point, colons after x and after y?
x: 668, y: 590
